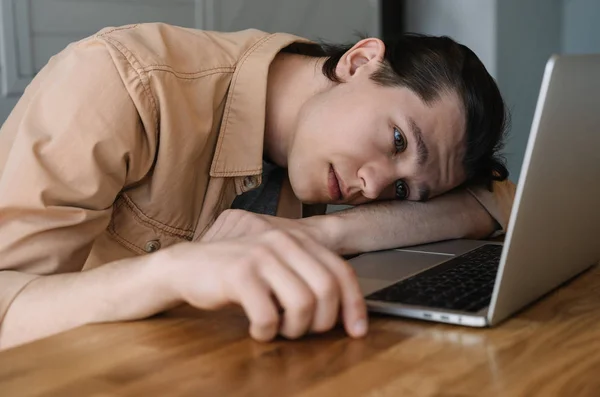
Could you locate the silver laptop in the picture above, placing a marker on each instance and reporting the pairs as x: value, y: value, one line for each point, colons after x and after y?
x: 554, y: 228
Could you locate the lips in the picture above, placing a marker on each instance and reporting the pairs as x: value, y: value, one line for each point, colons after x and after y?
x: 333, y: 185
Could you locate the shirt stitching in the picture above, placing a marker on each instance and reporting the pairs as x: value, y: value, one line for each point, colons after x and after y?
x: 131, y: 58
x: 232, y: 89
x: 125, y: 242
x: 130, y: 244
x: 239, y: 172
x: 134, y: 63
x: 112, y: 230
x: 145, y: 219
x: 196, y: 74
x: 118, y: 29
x: 195, y: 77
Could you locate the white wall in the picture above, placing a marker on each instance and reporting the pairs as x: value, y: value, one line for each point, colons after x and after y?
x: 581, y: 30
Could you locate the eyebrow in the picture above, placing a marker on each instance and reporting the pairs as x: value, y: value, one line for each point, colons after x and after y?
x: 422, y: 150
x: 422, y: 155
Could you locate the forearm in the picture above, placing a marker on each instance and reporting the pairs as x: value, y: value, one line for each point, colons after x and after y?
x: 385, y: 225
x: 124, y: 290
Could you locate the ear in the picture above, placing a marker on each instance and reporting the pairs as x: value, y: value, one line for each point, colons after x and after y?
x: 364, y: 56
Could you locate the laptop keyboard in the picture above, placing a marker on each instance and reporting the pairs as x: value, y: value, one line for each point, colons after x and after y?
x: 463, y: 283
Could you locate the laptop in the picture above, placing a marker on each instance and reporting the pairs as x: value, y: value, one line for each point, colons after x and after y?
x: 553, y: 232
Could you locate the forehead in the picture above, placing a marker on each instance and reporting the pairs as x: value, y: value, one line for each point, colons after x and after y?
x: 444, y: 130
x: 443, y: 114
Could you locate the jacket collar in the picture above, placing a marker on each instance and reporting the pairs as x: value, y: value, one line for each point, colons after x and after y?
x: 239, y: 150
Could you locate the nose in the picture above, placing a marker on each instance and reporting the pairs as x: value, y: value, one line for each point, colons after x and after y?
x: 374, y: 179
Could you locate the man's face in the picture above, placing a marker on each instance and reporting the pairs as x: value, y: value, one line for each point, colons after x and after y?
x: 358, y: 141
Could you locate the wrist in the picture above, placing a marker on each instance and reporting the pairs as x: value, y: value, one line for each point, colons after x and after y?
x: 163, y: 275
x: 327, y: 230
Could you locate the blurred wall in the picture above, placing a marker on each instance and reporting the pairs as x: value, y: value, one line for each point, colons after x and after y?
x: 331, y: 20
x: 470, y: 22
x: 581, y: 31
x: 31, y: 31
x: 528, y: 33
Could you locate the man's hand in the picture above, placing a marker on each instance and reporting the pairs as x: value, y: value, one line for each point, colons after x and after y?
x: 267, y: 270
x: 232, y: 224
x: 286, y: 282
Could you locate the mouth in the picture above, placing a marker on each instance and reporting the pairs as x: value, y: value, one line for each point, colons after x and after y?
x: 333, y: 185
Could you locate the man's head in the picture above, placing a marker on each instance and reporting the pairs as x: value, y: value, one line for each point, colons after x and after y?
x: 410, y: 119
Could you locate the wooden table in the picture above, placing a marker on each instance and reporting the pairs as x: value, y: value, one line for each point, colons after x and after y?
x: 550, y: 349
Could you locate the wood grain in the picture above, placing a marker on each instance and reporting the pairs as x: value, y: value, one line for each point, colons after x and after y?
x: 550, y: 349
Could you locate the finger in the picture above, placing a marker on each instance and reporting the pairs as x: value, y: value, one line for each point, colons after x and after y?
x: 354, y: 309
x: 317, y: 276
x: 255, y: 298
x: 292, y: 293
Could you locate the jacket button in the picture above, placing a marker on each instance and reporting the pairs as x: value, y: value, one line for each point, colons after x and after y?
x: 250, y: 182
x: 152, y: 246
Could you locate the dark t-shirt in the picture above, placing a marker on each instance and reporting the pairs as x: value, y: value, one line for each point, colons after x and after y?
x: 263, y: 199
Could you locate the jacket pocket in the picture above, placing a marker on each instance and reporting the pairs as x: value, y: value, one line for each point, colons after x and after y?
x: 139, y: 233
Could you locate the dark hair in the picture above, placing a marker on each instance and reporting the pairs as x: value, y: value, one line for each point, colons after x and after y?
x: 430, y: 65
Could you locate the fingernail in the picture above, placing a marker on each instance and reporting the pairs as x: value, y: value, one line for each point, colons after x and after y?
x: 360, y: 328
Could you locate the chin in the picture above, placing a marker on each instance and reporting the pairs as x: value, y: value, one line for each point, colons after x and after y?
x: 307, y: 198
x: 305, y: 195
x: 304, y: 180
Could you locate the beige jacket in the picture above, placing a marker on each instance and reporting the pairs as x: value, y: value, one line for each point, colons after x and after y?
x: 134, y: 139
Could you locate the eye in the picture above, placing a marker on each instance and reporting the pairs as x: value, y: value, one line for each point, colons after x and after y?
x: 401, y: 190
x: 399, y: 141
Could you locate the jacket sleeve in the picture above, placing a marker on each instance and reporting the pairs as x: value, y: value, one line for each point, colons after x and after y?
x: 76, y: 141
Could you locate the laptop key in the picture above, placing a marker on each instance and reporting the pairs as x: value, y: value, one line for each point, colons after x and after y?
x: 463, y: 283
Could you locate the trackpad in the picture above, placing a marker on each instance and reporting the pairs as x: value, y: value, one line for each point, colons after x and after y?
x: 394, y: 265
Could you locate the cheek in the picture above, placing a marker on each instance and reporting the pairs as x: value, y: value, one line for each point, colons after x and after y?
x: 314, y: 125
x: 352, y: 140
x: 339, y: 120
x: 306, y: 164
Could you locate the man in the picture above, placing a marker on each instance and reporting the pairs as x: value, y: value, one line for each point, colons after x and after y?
x: 138, y: 140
